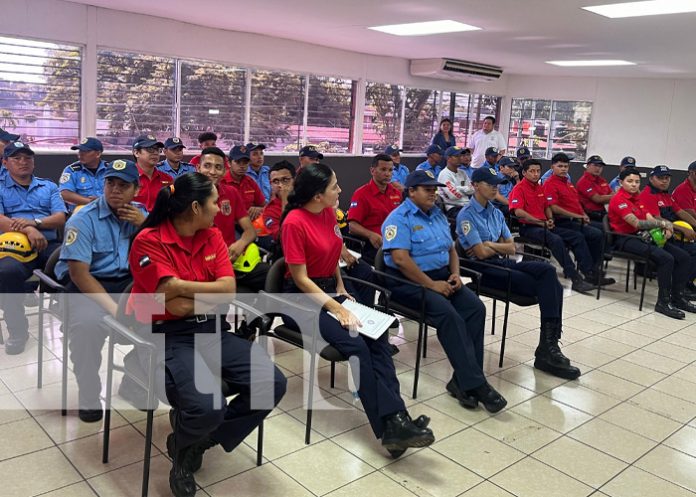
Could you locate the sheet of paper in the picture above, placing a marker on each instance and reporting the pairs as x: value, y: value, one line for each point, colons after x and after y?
x: 374, y: 322
x: 355, y: 254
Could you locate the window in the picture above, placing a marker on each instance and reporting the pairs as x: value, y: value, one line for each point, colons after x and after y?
x: 212, y: 99
x: 474, y: 109
x: 548, y: 126
x: 40, y: 92
x: 421, y: 119
x: 382, y: 117
x: 330, y: 114
x: 135, y: 95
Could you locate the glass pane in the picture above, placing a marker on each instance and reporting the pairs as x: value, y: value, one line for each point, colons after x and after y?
x: 40, y: 92
x: 529, y: 126
x: 212, y: 99
x: 329, y: 114
x: 421, y: 120
x: 382, y: 117
x: 570, y: 126
x: 135, y: 95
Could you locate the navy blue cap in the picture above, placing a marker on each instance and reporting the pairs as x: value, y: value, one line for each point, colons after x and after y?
x: 596, y: 160
x: 491, y: 151
x: 660, y: 171
x: 524, y: 153
x: 452, y: 151
x: 255, y: 146
x: 14, y: 148
x: 628, y: 161
x: 487, y: 175
x: 239, y: 152
x: 393, y: 149
x: 123, y: 169
x: 147, y: 141
x: 6, y: 136
x: 421, y: 178
x: 88, y: 144
x: 173, y: 142
x: 433, y: 149
x: 507, y: 161
x: 311, y: 151
x: 692, y: 166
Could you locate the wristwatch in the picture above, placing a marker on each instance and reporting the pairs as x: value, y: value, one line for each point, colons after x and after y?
x: 38, y: 222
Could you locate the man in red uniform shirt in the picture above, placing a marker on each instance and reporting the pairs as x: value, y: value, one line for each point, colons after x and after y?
x: 568, y: 213
x: 246, y: 186
x: 282, y: 175
x: 594, y: 190
x: 372, y: 203
x: 146, y: 151
x: 528, y: 202
x: 684, y: 195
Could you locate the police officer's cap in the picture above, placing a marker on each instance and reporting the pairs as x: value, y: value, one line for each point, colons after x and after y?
x: 596, y: 160
x: 89, y: 144
x: 454, y: 151
x: 14, y: 148
x: 392, y: 150
x: 628, y: 161
x: 174, y: 142
x: 507, y: 161
x: 311, y: 151
x: 147, y: 141
x: 692, y: 166
x: 491, y: 151
x: 421, y: 178
x: 255, y: 146
x: 122, y: 169
x: 660, y: 171
x: 239, y: 152
x: 6, y: 136
x: 487, y: 175
x: 523, y: 153
x: 433, y: 149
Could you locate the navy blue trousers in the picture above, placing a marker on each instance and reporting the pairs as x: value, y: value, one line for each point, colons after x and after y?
x: 584, y: 241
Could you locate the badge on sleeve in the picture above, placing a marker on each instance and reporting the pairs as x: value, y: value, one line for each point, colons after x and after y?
x: 466, y: 227
x: 623, y: 206
x: 226, y: 208
x: 144, y: 261
x: 70, y: 236
x: 390, y: 232
x: 64, y: 178
x: 337, y: 231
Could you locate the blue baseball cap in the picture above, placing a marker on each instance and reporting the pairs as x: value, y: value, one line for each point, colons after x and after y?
x: 88, y: 144
x: 123, y: 169
x: 173, y: 142
x: 628, y: 161
x: 14, y: 148
x: 596, y: 160
x: 393, y: 150
x: 239, y: 152
x: 433, y: 149
x: 487, y: 175
x: 507, y: 161
x: 523, y: 153
x: 255, y: 146
x: 147, y: 141
x: 660, y: 171
x: 311, y: 151
x: 454, y: 151
x: 6, y: 136
x: 491, y: 151
x: 421, y: 178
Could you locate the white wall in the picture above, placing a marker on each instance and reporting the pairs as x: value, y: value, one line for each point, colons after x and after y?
x: 650, y: 119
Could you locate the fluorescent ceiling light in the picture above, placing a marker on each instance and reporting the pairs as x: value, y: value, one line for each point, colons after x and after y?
x: 639, y: 9
x: 589, y: 63
x: 425, y: 28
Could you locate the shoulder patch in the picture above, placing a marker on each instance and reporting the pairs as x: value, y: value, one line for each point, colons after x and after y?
x: 64, y: 178
x: 226, y: 207
x: 337, y: 231
x: 623, y: 206
x: 466, y: 226
x: 71, y: 236
x: 390, y: 232
x: 76, y: 167
x: 144, y: 261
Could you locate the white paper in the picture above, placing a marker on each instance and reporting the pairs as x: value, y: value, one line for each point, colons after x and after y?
x: 357, y: 255
x: 374, y: 322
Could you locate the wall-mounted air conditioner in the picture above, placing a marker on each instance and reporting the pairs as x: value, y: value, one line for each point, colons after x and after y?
x: 460, y: 70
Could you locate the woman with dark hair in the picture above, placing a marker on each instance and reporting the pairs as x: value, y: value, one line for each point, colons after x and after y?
x: 444, y: 137
x: 311, y: 242
x: 178, y: 255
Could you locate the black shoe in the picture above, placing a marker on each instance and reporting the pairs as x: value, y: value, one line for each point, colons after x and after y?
x: 194, y: 461
x: 565, y: 371
x: 594, y: 279
x: 464, y: 400
x: 393, y: 349
x: 582, y: 286
x: 400, y: 433
x: 489, y: 397
x: 134, y: 394
x: 394, y: 325
x: 16, y: 344
x: 90, y: 415
x: 689, y: 294
x: 421, y: 421
x: 683, y: 304
x: 181, y: 480
x: 664, y: 306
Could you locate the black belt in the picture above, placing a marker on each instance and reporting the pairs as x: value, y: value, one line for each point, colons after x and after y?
x: 200, y: 323
x: 327, y: 285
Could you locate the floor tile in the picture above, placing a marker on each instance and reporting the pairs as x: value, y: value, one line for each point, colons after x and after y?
x: 333, y: 418
x: 640, y: 421
x: 372, y: 484
x: 577, y: 352
x: 448, y: 405
x: 11, y: 409
x: 530, y: 378
x: 618, y: 334
x: 517, y: 431
x: 65, y: 428
x: 581, y: 398
x: 683, y: 440
x: 22, y: 437
x: 678, y: 387
x: 635, y: 373
x: 547, y: 412
x: 670, y: 464
x: 654, y: 361
x: 486, y: 489
x: 637, y: 483
x: 20, y: 473
x: 531, y: 478
x: 282, y: 435
x: 608, y: 384
x: 266, y: 481
x: 665, y: 405
x: 219, y: 465
x: 605, y: 345
x: 675, y: 352
x: 128, y: 480
x: 613, y: 440
x: 76, y: 490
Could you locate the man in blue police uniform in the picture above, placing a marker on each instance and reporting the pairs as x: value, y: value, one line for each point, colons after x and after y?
x: 258, y: 171
x: 34, y: 207
x: 418, y: 247
x: 400, y: 170
x: 94, y: 266
x: 627, y: 161
x: 174, y: 164
x: 83, y: 181
x: 483, y: 236
x: 507, y: 171
x: 432, y: 163
x: 491, y: 154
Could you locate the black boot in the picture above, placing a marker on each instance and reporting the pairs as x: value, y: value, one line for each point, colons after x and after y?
x: 488, y: 396
x: 195, y: 456
x: 421, y: 421
x: 181, y: 481
x: 400, y: 433
x: 593, y: 278
x: 681, y: 302
x: 464, y: 400
x: 582, y: 286
x: 549, y: 357
x: 664, y: 305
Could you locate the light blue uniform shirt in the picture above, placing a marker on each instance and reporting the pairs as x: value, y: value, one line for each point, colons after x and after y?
x: 425, y: 166
x: 476, y: 224
x: 97, y: 237
x: 80, y: 179
x: 400, y: 174
x: 184, y: 168
x: 614, y: 184
x: 426, y: 236
x: 3, y: 173
x: 40, y: 200
x: 263, y: 179
x: 505, y: 188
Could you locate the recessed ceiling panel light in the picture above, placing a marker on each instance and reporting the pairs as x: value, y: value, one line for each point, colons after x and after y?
x: 425, y: 28
x: 589, y: 63
x: 647, y: 8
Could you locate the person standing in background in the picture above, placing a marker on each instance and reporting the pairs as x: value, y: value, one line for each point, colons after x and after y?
x: 484, y: 139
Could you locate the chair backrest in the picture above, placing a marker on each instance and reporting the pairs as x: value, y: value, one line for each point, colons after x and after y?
x: 379, y: 260
x: 121, y: 316
x: 275, y: 277
x: 607, y: 230
x: 50, y: 269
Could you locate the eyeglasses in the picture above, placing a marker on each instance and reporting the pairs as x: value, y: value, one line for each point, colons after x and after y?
x: 284, y: 181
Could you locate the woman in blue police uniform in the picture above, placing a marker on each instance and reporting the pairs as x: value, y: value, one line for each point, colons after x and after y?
x: 418, y: 246
x: 312, y: 244
x: 179, y: 254
x: 94, y: 260
x: 484, y: 236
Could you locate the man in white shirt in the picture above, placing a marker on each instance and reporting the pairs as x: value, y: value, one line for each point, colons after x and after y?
x: 458, y: 188
x: 486, y: 138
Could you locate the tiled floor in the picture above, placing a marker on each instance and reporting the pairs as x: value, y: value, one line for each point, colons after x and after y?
x: 626, y: 428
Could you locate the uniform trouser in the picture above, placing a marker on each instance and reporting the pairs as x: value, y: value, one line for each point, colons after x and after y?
x: 254, y: 280
x: 593, y: 237
x: 459, y: 320
x: 673, y: 264
x: 689, y: 248
x: 13, y: 274
x: 362, y: 293
x: 532, y: 279
x: 86, y: 336
x: 558, y: 240
x: 243, y: 365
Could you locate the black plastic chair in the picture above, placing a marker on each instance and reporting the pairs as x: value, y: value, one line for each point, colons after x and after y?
x: 533, y: 248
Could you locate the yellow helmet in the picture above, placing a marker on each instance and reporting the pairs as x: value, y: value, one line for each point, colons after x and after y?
x: 248, y: 259
x: 16, y: 245
x: 341, y: 219
x: 680, y: 236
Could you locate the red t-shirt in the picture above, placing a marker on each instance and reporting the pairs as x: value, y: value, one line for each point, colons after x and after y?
x: 160, y: 252
x: 248, y: 189
x: 622, y: 204
x: 684, y: 195
x: 590, y: 185
x: 654, y: 200
x: 150, y: 187
x: 313, y: 240
x: 271, y: 217
x: 370, y: 207
x: 561, y: 192
x: 529, y: 197
x: 231, y: 211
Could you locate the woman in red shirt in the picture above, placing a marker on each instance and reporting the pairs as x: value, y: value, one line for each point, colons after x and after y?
x: 179, y: 255
x: 312, y: 242
x: 628, y: 215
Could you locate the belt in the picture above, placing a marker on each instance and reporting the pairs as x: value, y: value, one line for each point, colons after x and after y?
x: 327, y: 285
x: 200, y: 323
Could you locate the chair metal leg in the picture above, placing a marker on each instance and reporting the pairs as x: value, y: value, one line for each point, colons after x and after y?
x: 495, y: 302
x: 333, y: 374
x: 635, y: 275
x: 39, y: 377
x: 425, y: 343
x: 310, y: 397
x: 259, y: 446
x: 148, y: 449
x: 64, y: 373
x: 107, y: 400
x: 418, y: 359
x: 642, y: 289
x: 628, y: 272
x: 505, y: 324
